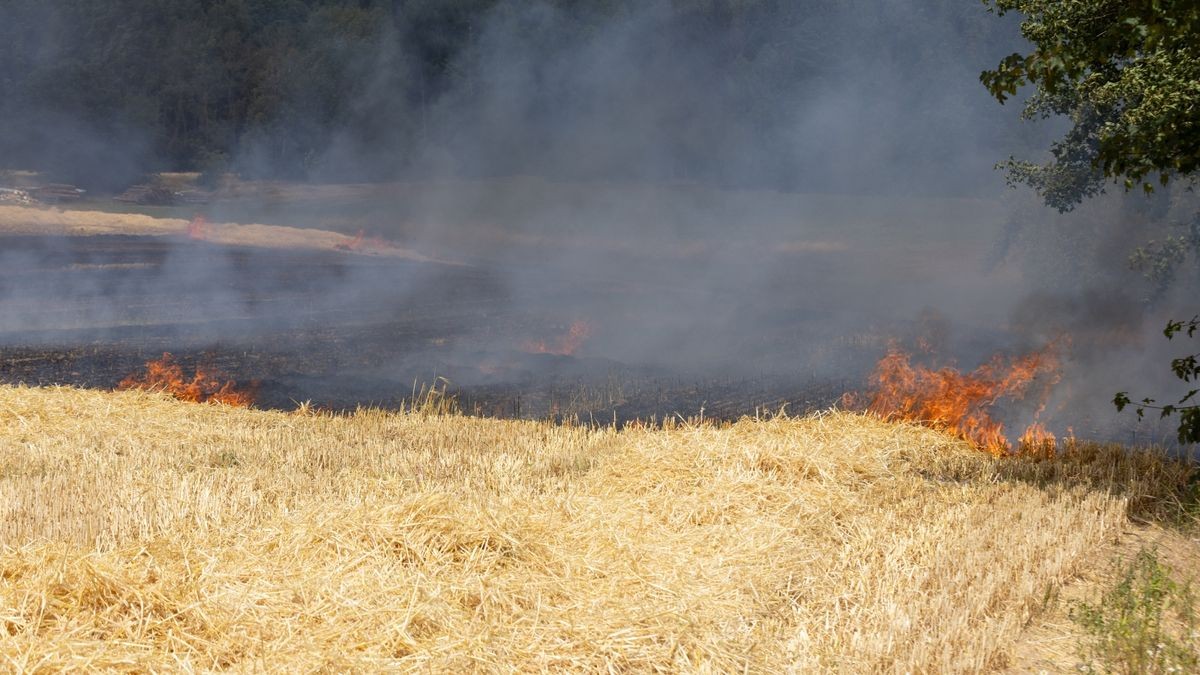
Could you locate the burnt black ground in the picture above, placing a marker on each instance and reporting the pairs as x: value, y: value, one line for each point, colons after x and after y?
x: 342, y: 330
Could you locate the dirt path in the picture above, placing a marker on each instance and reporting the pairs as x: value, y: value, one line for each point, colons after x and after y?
x: 1052, y: 640
x: 21, y: 220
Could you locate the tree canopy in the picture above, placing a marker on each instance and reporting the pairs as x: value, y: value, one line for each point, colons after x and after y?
x: 1127, y: 75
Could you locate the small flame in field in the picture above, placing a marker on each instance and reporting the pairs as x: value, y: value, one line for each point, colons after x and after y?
x: 361, y: 243
x: 357, y: 242
x: 1037, y: 440
x: 205, y: 385
x: 961, y: 403
x: 564, y: 345
x: 198, y: 228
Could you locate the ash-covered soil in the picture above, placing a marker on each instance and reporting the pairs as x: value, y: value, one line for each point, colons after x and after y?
x: 339, y: 330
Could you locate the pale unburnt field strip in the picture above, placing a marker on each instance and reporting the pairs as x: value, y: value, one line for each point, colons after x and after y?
x: 142, y: 533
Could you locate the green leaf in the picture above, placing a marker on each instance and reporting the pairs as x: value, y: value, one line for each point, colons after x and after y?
x: 1189, y: 426
x: 1121, y: 400
x: 1186, y: 368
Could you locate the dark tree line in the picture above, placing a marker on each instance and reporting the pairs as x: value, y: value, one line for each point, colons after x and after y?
x: 359, y: 89
x: 178, y: 84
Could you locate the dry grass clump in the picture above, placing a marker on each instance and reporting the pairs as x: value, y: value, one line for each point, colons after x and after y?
x: 140, y: 533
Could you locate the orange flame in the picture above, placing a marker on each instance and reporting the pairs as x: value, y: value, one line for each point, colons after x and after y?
x: 960, y: 403
x: 566, y: 344
x: 361, y: 243
x: 205, y: 386
x: 357, y: 243
x: 1037, y: 441
x: 198, y: 228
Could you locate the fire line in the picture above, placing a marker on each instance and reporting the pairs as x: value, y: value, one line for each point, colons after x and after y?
x: 205, y: 385
x: 961, y: 403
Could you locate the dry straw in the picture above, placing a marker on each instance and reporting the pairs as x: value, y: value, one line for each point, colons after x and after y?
x: 143, y: 534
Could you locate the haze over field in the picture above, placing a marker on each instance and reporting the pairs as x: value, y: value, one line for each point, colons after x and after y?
x: 599, y: 336
x: 719, y: 189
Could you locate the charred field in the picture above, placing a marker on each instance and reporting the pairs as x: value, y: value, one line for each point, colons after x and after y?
x: 361, y: 296
x: 339, y: 330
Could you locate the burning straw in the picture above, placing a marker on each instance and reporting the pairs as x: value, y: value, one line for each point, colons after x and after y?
x: 566, y: 344
x: 204, y: 386
x: 960, y: 403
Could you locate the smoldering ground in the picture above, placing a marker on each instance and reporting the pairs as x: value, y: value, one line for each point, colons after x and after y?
x: 771, y: 198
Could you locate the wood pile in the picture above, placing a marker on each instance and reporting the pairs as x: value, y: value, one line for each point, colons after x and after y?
x: 15, y: 196
x: 57, y: 193
x: 193, y: 197
x: 147, y: 194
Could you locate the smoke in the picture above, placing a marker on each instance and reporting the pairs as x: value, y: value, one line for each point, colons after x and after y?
x: 762, y: 192
x: 826, y: 97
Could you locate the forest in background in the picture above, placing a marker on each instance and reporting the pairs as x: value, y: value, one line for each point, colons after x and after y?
x: 724, y: 92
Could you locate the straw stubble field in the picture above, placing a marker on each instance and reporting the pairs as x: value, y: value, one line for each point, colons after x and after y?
x: 144, y: 534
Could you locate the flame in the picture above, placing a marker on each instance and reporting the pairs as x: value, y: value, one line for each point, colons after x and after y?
x: 356, y: 243
x: 566, y: 344
x: 361, y: 243
x: 198, y: 228
x: 960, y: 403
x: 1037, y: 441
x: 205, y: 386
